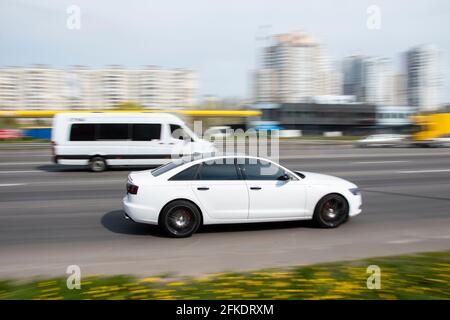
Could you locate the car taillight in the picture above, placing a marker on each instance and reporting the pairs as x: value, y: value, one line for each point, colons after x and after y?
x: 131, y: 188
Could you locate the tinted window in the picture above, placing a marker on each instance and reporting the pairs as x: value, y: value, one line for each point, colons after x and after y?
x: 112, y: 131
x: 167, y: 167
x: 146, y: 132
x: 261, y: 170
x: 82, y: 132
x: 217, y: 171
x: 187, y: 174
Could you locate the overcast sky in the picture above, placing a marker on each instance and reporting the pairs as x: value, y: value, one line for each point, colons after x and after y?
x: 216, y: 38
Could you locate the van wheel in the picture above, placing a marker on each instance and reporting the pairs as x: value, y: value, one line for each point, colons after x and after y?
x: 97, y: 164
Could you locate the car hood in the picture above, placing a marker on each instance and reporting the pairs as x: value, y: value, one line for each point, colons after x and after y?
x: 318, y: 178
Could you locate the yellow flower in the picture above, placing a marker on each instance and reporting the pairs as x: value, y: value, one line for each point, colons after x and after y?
x: 280, y: 284
x: 151, y: 279
x: 179, y: 283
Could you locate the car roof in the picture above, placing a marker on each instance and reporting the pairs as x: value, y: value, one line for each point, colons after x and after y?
x: 202, y: 158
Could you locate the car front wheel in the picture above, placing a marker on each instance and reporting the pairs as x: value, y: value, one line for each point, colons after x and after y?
x: 331, y: 211
x: 180, y: 219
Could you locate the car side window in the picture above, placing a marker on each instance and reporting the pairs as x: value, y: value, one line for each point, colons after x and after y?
x: 218, y: 171
x: 187, y: 174
x: 260, y: 170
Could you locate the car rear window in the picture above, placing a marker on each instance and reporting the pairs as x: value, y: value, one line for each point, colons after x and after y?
x: 167, y: 167
x: 187, y: 174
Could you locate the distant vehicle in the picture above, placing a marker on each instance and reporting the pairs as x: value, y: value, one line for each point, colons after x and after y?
x: 182, y: 195
x: 265, y: 125
x: 10, y: 134
x: 381, y: 140
x: 431, y: 126
x: 443, y: 141
x: 100, y: 140
x: 432, y: 130
x: 221, y: 132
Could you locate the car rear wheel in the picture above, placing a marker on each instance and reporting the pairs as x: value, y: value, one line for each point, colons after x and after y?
x: 97, y: 164
x: 180, y: 219
x: 331, y: 211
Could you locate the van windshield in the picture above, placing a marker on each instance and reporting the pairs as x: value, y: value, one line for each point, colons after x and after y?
x: 178, y: 132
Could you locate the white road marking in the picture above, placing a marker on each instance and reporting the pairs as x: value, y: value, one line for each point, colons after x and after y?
x: 64, y: 183
x: 424, y: 171
x: 11, y: 184
x: 404, y: 241
x: 376, y: 162
x: 22, y: 171
x: 23, y: 163
x: 332, y: 156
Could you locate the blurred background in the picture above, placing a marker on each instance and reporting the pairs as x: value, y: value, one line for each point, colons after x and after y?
x: 310, y: 69
x: 326, y: 75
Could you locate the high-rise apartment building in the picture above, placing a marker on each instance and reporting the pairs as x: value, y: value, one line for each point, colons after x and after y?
x: 80, y: 87
x: 369, y: 79
x: 400, y: 90
x: 423, y: 77
x: 294, y: 69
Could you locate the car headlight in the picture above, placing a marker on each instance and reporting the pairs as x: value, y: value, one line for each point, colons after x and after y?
x: 355, y: 191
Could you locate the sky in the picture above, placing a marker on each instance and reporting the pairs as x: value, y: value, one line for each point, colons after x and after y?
x: 215, y: 38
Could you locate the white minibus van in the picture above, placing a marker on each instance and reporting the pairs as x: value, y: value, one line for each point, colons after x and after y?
x: 100, y: 140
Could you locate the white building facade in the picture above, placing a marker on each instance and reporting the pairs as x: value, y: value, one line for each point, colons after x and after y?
x: 369, y: 79
x: 294, y: 69
x: 80, y: 87
x: 423, y: 77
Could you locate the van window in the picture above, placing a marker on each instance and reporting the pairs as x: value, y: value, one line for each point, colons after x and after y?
x: 82, y: 132
x: 146, y: 132
x: 112, y: 131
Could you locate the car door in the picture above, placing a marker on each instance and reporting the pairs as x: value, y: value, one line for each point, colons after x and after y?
x: 270, y: 197
x: 221, y: 191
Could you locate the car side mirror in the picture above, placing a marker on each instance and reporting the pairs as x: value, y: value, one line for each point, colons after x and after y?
x: 284, y: 177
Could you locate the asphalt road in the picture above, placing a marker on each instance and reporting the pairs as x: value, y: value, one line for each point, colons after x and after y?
x: 52, y: 217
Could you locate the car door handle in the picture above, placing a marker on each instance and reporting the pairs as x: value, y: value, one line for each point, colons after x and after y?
x: 255, y: 188
x: 202, y: 188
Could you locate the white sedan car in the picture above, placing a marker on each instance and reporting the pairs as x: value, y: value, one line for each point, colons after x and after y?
x: 183, y: 195
x: 381, y: 140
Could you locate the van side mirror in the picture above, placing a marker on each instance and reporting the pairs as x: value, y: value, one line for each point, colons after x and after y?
x: 284, y: 177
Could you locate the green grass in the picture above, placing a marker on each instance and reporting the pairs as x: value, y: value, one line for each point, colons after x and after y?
x: 419, y: 276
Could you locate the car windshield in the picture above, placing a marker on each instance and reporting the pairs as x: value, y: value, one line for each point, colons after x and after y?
x: 167, y: 167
